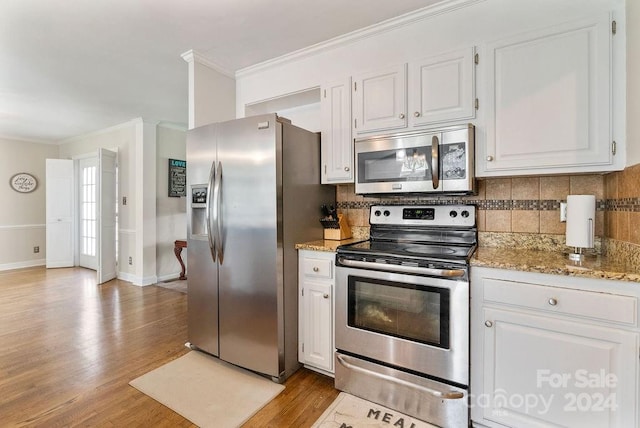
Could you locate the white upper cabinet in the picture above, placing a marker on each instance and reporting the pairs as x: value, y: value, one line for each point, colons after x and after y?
x: 380, y: 100
x: 549, y: 102
x: 336, y: 144
x: 442, y: 88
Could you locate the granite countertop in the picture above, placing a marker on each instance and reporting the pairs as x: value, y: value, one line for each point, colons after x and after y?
x: 326, y: 244
x: 553, y: 262
x: 527, y: 260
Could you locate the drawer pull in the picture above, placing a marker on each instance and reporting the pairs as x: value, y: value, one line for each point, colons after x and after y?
x: 553, y: 302
x: 326, y: 296
x: 316, y: 269
x: 488, y: 323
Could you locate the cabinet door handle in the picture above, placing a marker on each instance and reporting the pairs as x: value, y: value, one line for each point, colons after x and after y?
x: 553, y: 301
x: 326, y: 296
x: 489, y: 158
x: 416, y: 114
x: 346, y: 168
x: 316, y: 269
x: 401, y: 116
x: 488, y: 323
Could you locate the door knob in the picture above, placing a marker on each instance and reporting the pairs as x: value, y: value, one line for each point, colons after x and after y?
x: 401, y: 116
x: 416, y: 114
x: 553, y: 301
x: 326, y: 296
x: 316, y: 269
x: 346, y: 168
x: 488, y: 323
x: 489, y: 158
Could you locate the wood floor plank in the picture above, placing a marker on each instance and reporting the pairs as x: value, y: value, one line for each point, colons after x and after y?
x: 69, y: 347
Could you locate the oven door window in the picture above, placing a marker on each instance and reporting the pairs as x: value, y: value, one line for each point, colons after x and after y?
x: 411, y: 312
x: 412, y: 164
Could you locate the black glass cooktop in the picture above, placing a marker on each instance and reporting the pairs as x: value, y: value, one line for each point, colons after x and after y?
x: 401, y: 249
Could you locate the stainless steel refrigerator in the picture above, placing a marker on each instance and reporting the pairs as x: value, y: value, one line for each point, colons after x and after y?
x: 254, y: 192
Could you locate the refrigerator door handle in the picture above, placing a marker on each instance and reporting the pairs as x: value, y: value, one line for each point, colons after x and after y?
x: 209, y: 225
x: 217, y: 204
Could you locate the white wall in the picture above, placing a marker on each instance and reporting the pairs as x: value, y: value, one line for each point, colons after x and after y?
x: 171, y: 212
x: 633, y: 81
x: 122, y: 138
x: 212, y: 91
x: 22, y: 217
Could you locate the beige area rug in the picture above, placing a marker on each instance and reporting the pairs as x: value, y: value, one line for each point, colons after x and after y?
x: 348, y: 411
x: 208, y: 391
x: 177, y: 285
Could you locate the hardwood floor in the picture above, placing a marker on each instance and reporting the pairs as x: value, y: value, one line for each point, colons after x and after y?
x: 69, y: 347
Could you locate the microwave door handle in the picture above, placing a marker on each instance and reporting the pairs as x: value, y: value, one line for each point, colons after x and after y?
x: 435, y: 162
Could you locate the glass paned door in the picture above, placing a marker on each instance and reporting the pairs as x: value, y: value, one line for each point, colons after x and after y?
x: 88, y: 212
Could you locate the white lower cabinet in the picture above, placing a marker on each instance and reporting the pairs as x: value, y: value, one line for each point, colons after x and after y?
x: 540, y: 358
x: 315, y: 320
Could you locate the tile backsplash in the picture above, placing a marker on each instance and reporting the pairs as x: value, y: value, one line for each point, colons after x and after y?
x: 525, y: 211
x: 622, y: 215
x: 521, y: 204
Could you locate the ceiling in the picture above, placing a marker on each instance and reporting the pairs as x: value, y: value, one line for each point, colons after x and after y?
x: 68, y: 67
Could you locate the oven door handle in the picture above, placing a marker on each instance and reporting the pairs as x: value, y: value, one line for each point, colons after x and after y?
x: 448, y: 273
x: 445, y: 395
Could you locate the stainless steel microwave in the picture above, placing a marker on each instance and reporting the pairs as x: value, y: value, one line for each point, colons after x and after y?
x: 436, y: 161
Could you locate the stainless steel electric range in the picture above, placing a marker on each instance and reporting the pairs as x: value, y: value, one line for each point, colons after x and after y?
x: 402, y: 311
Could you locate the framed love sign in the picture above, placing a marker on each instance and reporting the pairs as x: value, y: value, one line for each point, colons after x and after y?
x: 23, y: 182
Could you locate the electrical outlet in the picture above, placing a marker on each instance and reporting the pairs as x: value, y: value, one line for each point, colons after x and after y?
x: 563, y: 211
x: 36, y: 249
x: 130, y: 260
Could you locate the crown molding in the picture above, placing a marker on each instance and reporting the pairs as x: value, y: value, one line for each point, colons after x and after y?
x: 132, y: 122
x: 173, y: 125
x: 27, y: 140
x: 363, y: 33
x: 192, y: 56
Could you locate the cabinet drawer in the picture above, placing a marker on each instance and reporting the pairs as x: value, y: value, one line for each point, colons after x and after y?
x: 588, y: 304
x: 318, y: 268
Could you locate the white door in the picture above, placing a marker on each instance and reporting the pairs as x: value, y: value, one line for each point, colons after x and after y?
x: 380, y: 100
x: 106, y: 209
x: 318, y: 325
x: 549, y: 103
x: 337, y: 144
x: 442, y: 88
x: 88, y: 213
x: 586, y: 374
x: 59, y: 212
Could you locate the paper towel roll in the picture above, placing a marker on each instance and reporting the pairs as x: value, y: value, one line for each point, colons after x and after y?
x: 581, y: 215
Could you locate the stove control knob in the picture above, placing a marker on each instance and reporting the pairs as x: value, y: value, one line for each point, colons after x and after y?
x: 387, y: 213
x: 465, y: 213
x: 453, y: 214
x: 377, y: 213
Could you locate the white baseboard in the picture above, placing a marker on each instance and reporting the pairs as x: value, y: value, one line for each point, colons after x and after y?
x: 136, y: 280
x: 169, y: 277
x: 21, y: 265
x: 125, y: 276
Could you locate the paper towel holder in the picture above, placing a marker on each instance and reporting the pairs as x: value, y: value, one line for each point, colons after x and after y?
x: 581, y: 233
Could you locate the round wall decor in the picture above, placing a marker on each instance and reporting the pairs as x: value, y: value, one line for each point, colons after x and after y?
x: 23, y: 182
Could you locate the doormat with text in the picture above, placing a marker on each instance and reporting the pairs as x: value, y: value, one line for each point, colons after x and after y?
x: 348, y: 411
